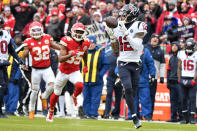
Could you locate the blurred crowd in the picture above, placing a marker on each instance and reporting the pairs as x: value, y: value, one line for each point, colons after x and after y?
x: 170, y: 22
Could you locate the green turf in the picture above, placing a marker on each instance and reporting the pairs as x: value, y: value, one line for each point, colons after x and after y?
x: 39, y: 124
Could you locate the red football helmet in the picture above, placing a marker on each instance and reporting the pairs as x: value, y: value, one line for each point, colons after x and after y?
x: 78, y: 31
x: 36, y: 30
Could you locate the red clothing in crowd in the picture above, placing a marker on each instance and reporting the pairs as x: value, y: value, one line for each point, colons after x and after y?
x: 60, y: 15
x: 9, y: 24
x: 160, y: 22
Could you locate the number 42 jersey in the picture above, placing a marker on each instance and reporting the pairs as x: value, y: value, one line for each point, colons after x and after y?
x: 188, y: 63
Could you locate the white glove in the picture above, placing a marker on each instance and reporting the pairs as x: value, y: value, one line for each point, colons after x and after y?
x: 110, y: 32
x: 123, y: 29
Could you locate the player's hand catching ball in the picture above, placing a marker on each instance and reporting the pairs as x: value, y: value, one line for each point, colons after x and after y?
x: 123, y: 28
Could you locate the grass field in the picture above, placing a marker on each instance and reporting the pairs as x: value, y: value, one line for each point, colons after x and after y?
x: 39, y: 124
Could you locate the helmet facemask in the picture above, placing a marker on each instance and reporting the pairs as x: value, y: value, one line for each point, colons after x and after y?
x: 36, y: 32
x: 78, y: 34
x: 190, y: 47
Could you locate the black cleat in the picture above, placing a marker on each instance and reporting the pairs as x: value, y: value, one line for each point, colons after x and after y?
x: 106, y: 117
x: 136, y: 122
x: 192, y: 119
x: 184, y: 121
x: 81, y: 112
x: 3, y: 115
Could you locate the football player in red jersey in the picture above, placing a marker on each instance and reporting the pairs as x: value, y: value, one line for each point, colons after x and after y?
x: 39, y: 47
x: 73, y: 49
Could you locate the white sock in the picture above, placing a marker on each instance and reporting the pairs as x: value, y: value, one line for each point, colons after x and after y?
x: 48, y: 91
x: 61, y: 104
x: 33, y: 98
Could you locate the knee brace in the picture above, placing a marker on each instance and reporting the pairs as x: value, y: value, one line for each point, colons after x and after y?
x: 78, y: 88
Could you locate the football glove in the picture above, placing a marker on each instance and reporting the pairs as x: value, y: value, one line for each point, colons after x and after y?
x: 85, y: 69
x: 74, y: 52
x: 151, y: 79
x: 161, y: 80
x: 123, y: 29
x: 110, y: 33
x: 4, y: 63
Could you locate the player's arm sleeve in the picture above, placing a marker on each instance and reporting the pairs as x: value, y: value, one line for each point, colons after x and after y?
x: 136, y: 41
x: 12, y: 51
x: 150, y: 63
x: 162, y: 65
x: 54, y: 45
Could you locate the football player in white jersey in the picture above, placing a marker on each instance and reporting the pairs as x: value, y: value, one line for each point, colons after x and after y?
x: 187, y: 74
x: 6, y: 47
x: 129, y: 34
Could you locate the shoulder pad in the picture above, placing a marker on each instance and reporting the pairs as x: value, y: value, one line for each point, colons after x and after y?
x: 65, y: 40
x: 142, y: 27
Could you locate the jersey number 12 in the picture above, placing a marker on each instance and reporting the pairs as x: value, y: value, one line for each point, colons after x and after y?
x: 124, y: 46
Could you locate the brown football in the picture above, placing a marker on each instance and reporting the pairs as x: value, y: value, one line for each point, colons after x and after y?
x: 111, y: 22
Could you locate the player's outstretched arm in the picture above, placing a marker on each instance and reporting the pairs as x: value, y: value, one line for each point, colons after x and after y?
x: 115, y: 47
x: 179, y: 70
x: 25, y: 52
x: 63, y: 56
x: 85, y: 58
x: 54, y: 45
x: 195, y: 76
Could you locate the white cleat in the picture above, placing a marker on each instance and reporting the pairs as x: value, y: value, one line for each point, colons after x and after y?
x: 49, y: 117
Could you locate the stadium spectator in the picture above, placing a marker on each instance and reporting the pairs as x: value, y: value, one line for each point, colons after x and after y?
x: 25, y: 30
x: 187, y: 30
x: 103, y: 7
x: 93, y: 79
x: 53, y: 28
x: 9, y: 20
x: 171, y: 11
x: 66, y: 22
x: 151, y: 22
x: 110, y: 7
x: 169, y: 31
x: 155, y: 8
x: 159, y: 62
x: 23, y: 14
x: 80, y: 17
x: 49, y: 16
x: 42, y: 13
x: 97, y: 18
x: 182, y: 43
x: 173, y: 85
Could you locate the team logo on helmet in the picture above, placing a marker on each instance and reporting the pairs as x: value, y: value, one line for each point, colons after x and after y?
x: 85, y: 48
x: 46, y: 41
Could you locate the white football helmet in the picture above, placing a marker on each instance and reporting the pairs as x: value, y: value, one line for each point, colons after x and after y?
x: 36, y: 30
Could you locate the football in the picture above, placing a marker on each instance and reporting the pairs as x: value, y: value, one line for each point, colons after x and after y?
x: 111, y: 22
